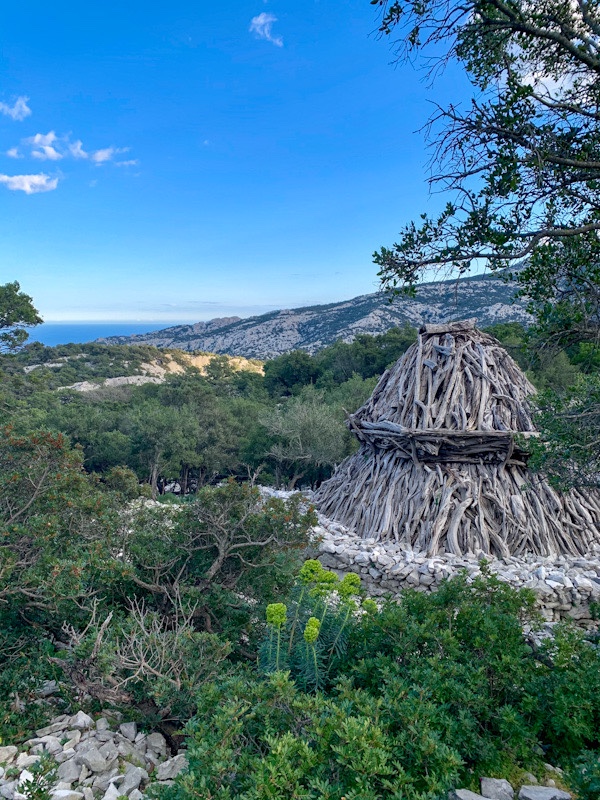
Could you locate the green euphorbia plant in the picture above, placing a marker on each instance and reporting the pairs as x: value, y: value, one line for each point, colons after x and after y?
x: 309, y: 634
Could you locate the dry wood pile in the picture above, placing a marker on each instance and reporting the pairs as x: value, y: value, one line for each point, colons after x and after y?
x: 442, y: 465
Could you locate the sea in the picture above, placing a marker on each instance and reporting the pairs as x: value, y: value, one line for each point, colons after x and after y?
x: 53, y: 333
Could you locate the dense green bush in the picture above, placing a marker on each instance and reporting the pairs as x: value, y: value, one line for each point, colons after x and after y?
x: 584, y: 776
x: 267, y: 739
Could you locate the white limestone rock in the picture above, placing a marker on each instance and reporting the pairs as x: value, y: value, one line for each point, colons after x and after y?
x: 497, y: 789
x: 59, y: 724
x: 66, y: 794
x: 8, y: 790
x: 111, y: 793
x: 69, y: 771
x: 81, y: 721
x: 133, y: 778
x: 8, y: 754
x: 171, y: 768
x: 24, y: 777
x: 93, y: 759
x: 23, y: 761
x: 542, y: 793
x: 157, y: 742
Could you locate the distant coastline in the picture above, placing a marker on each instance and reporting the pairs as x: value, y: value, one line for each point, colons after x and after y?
x: 55, y: 333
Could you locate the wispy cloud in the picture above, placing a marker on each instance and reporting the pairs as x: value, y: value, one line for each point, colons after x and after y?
x: 102, y: 156
x: 30, y: 184
x: 132, y: 162
x: 43, y: 146
x: 18, y: 111
x: 262, y: 27
x: 76, y: 149
x: 50, y: 147
x: 107, y: 154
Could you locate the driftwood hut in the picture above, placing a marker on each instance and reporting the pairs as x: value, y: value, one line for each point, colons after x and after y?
x: 442, y: 465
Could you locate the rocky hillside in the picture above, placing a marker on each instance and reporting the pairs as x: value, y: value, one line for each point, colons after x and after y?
x: 159, y: 369
x: 485, y: 297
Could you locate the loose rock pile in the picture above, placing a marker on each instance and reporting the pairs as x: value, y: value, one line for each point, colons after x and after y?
x: 99, y: 760
x: 496, y: 789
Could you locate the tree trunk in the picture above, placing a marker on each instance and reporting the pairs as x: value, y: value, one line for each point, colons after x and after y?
x: 297, y: 476
x: 154, y: 479
x: 183, y: 479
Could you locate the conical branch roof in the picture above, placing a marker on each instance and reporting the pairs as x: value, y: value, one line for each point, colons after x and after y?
x: 454, y: 378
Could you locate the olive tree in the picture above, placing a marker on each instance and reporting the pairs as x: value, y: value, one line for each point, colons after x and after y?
x: 308, y: 433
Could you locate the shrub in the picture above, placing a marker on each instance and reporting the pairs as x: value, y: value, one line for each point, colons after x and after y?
x: 584, y: 776
x: 258, y: 739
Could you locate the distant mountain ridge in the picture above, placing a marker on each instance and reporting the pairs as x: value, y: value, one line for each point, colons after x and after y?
x: 486, y: 297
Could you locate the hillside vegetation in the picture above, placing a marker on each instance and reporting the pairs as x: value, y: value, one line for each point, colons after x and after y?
x: 202, y: 418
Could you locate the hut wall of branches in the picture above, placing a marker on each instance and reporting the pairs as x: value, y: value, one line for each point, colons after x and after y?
x: 442, y: 465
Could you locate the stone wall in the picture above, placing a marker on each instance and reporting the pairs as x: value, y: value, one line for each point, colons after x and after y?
x: 564, y: 585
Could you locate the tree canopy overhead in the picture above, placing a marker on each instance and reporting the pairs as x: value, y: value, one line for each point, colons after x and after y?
x: 520, y: 161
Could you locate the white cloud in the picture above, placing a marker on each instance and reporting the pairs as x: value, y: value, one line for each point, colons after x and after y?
x: 76, y: 149
x: 30, y: 184
x: 50, y: 147
x: 107, y: 154
x: 18, y: 111
x: 42, y: 139
x: 262, y: 26
x: 46, y: 153
x: 43, y: 146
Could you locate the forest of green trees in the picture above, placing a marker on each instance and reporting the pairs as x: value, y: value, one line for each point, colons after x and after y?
x: 196, y: 429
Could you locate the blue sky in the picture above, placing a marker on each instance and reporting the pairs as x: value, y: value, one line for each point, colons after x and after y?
x: 177, y: 161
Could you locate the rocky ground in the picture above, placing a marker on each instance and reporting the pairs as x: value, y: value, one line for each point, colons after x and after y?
x: 496, y: 789
x: 103, y: 758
